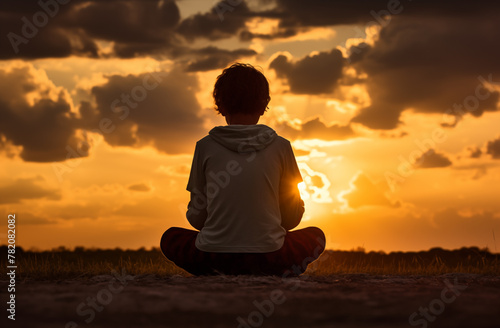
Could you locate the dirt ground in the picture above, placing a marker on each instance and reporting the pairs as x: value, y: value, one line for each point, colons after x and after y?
x: 354, y: 300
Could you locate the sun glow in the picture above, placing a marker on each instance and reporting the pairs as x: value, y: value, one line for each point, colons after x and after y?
x: 303, y: 191
x: 315, y: 185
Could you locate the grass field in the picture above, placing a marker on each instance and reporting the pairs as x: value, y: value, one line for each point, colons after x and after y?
x: 63, y: 263
x: 342, y: 289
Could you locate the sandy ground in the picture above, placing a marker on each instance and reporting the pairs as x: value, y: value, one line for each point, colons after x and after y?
x: 452, y: 300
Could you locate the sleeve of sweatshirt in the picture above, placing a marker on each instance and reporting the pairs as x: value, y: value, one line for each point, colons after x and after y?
x: 291, y: 205
x: 197, y: 208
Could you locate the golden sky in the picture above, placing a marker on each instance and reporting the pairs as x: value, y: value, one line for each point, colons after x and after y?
x: 392, y: 109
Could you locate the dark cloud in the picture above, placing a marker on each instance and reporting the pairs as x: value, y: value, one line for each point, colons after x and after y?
x: 493, y: 148
x: 139, y: 187
x: 313, y: 74
x: 26, y: 189
x: 43, y: 126
x: 474, y: 152
x: 210, y: 58
x: 132, y: 28
x: 323, y: 13
x: 316, y: 129
x: 48, y: 42
x: 430, y: 65
x: 154, y: 27
x: 298, y: 13
x: 152, y: 109
x: 32, y: 32
x: 125, y: 21
x: 364, y: 192
x: 222, y: 21
x: 135, y: 27
x: 432, y: 159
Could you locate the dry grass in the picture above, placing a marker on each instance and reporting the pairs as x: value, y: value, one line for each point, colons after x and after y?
x: 63, y: 264
x: 433, y: 262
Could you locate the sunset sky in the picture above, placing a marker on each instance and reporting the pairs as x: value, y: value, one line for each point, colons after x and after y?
x: 392, y: 109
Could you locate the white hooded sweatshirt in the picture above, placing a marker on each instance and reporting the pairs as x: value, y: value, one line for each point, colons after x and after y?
x: 244, y: 193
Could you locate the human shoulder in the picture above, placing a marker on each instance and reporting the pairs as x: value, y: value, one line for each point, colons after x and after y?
x: 204, y: 142
x: 282, y: 142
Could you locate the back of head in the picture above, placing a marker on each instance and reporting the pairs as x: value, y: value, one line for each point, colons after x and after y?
x: 241, y: 89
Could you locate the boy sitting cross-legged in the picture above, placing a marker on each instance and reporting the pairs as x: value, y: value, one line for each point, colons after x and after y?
x: 244, y: 193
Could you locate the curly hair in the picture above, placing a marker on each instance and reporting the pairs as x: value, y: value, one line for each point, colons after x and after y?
x: 241, y: 89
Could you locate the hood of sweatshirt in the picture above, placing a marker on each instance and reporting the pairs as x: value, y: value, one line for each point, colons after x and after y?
x: 243, y: 138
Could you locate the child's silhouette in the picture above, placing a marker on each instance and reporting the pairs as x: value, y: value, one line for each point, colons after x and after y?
x: 244, y: 193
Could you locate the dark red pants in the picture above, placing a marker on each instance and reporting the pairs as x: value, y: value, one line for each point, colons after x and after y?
x: 300, y: 248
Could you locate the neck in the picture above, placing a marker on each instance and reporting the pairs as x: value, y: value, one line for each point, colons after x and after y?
x: 243, y: 119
